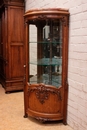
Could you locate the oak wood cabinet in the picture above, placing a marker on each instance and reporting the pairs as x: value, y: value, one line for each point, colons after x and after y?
x: 46, y: 89
x: 12, y: 44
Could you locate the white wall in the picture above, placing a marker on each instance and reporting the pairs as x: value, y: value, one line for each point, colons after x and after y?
x: 77, y: 74
x: 33, y: 48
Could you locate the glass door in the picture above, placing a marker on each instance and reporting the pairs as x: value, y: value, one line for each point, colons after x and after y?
x: 46, y: 54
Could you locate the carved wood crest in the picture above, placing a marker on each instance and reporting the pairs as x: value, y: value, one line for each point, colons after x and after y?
x: 42, y: 92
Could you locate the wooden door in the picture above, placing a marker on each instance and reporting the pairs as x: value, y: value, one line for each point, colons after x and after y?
x: 15, y: 49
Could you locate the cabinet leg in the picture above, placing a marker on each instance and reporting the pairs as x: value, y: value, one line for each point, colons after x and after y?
x: 25, y: 116
x: 64, y: 122
x: 7, y: 92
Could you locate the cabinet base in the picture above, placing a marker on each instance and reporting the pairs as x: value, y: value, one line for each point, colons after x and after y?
x: 12, y: 86
x: 44, y: 103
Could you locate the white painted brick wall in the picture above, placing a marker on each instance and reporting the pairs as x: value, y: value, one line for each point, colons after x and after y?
x: 77, y: 72
x: 33, y: 48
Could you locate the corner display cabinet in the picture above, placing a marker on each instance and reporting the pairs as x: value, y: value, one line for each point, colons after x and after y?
x: 46, y: 88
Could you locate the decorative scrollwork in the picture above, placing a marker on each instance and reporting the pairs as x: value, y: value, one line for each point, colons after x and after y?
x: 42, y: 93
x: 30, y: 90
x: 64, y: 21
x: 43, y: 119
x: 42, y: 17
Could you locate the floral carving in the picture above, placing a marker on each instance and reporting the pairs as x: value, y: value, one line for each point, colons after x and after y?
x: 42, y: 17
x: 42, y: 93
x: 42, y: 119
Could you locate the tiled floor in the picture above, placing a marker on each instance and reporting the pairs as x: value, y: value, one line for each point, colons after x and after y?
x: 12, y: 111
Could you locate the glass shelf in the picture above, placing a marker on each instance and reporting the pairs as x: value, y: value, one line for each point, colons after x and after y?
x: 55, y: 81
x: 46, y: 42
x: 47, y: 61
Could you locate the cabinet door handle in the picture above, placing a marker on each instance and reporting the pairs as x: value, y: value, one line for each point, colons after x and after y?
x: 24, y: 66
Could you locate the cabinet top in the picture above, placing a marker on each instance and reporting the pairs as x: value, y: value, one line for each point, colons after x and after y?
x: 44, y: 14
x: 47, y: 11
